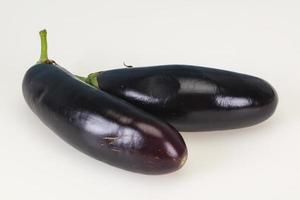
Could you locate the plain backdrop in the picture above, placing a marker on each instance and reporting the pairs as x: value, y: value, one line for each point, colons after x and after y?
x: 260, y: 38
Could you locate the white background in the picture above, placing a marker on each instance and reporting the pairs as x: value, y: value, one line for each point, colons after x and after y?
x: 261, y: 38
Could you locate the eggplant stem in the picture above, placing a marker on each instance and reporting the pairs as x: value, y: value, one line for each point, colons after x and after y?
x: 44, y: 48
x: 129, y: 66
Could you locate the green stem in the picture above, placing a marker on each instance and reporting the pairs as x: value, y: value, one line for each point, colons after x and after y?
x: 44, y: 51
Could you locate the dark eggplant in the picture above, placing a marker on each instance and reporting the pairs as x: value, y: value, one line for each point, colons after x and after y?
x: 99, y: 124
x: 192, y: 98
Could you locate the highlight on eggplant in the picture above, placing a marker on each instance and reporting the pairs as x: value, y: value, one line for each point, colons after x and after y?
x: 99, y: 124
x: 191, y: 98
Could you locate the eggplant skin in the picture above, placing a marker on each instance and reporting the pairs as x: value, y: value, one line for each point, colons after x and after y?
x: 100, y: 125
x: 193, y: 98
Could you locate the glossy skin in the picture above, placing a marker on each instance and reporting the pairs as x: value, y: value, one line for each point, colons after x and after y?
x: 100, y: 125
x: 193, y: 98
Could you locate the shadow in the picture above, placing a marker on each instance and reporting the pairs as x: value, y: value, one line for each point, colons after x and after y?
x: 212, y: 149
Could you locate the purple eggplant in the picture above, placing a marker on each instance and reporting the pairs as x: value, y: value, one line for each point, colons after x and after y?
x: 191, y: 98
x: 99, y: 124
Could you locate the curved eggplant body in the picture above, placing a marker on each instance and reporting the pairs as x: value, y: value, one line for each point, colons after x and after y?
x: 193, y: 98
x: 100, y: 125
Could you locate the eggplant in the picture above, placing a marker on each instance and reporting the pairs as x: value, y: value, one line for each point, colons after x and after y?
x: 192, y: 98
x: 99, y: 124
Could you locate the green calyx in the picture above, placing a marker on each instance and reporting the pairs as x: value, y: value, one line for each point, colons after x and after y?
x: 81, y: 78
x: 91, y: 79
